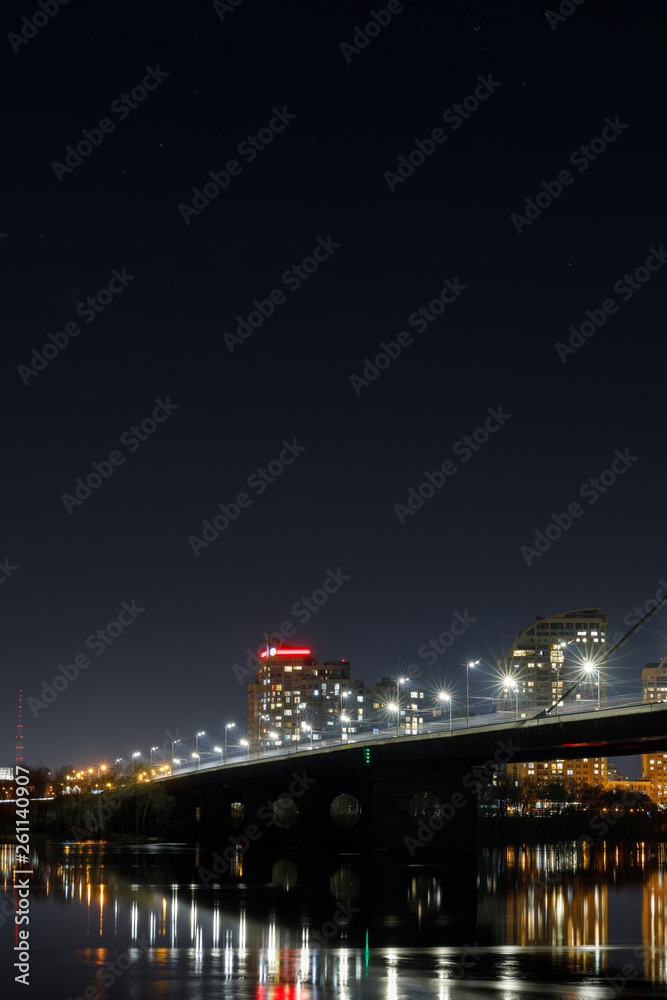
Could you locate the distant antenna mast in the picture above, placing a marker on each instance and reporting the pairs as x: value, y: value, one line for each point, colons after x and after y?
x: 19, y: 732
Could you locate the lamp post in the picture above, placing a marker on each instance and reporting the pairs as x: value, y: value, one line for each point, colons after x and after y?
x: 246, y: 744
x: 512, y: 686
x: 174, y: 760
x: 173, y: 742
x: 589, y: 668
x: 346, y: 719
x: 306, y: 728
x: 399, y: 680
x: 230, y: 725
x: 152, y: 749
x: 473, y: 663
x: 202, y: 733
x: 196, y: 760
x: 447, y: 697
x: 343, y: 694
x: 220, y: 751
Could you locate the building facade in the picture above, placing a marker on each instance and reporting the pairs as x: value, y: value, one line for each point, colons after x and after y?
x: 550, y: 656
x: 572, y: 774
x: 295, y: 698
x: 654, y: 765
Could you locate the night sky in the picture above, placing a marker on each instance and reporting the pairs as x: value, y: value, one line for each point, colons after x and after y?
x: 232, y: 329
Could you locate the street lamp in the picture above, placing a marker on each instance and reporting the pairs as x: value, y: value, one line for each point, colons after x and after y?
x: 172, y: 753
x: 473, y: 663
x: 393, y: 707
x: 230, y: 725
x: 308, y: 729
x: 399, y: 680
x: 343, y: 694
x: 202, y: 733
x: 174, y: 760
x: 589, y: 668
x: 447, y: 697
x: 152, y: 749
x: 343, y: 719
x: 196, y: 759
x: 246, y: 744
x: 219, y: 750
x: 511, y: 685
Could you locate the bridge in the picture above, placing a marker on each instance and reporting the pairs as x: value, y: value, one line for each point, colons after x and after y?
x: 375, y: 793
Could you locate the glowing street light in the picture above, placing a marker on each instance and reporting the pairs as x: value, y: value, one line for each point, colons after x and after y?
x: 399, y: 680
x: 447, y: 697
x: 589, y: 668
x: 511, y: 685
x: 308, y: 729
x: 230, y: 725
x: 246, y: 744
x: 152, y: 749
x: 202, y: 733
x: 473, y: 663
x: 196, y: 760
x: 343, y: 719
x: 220, y: 751
x: 173, y: 742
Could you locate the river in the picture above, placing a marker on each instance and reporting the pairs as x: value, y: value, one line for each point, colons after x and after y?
x: 109, y: 921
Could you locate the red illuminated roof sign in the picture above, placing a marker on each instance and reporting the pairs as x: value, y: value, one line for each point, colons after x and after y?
x: 283, y: 652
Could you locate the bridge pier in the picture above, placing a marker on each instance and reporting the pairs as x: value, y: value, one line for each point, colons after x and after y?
x: 294, y: 806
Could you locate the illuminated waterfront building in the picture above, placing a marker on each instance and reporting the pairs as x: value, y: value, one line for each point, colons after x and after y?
x: 550, y: 655
x: 547, y: 659
x: 297, y: 698
x: 654, y: 765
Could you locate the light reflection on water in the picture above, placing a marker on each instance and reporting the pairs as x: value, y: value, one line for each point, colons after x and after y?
x: 522, y: 921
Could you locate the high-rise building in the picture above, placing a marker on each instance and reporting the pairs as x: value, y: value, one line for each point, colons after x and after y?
x: 549, y: 656
x: 654, y: 765
x: 654, y: 681
x: 297, y: 698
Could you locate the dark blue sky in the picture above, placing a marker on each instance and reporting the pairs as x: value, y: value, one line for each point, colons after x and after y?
x: 240, y: 322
